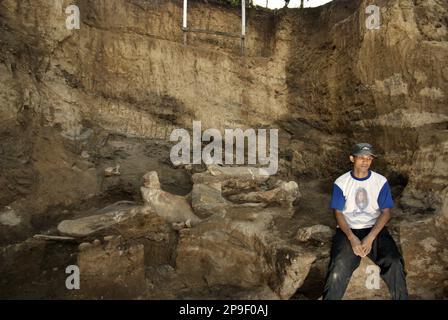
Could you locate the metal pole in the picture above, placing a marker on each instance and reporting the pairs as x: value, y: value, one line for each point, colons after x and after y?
x: 243, y: 18
x: 267, y: 3
x: 243, y: 24
x: 184, y: 22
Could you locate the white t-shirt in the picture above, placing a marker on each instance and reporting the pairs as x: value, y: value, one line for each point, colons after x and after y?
x: 361, y: 200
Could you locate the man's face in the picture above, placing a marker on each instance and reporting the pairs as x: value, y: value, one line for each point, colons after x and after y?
x: 361, y: 163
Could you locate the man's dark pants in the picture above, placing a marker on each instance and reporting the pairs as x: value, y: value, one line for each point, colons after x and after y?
x: 343, y: 262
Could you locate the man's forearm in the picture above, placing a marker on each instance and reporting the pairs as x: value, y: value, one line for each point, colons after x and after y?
x: 343, y: 224
x: 382, y: 220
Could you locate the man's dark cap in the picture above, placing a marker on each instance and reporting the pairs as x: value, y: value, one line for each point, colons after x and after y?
x: 363, y: 149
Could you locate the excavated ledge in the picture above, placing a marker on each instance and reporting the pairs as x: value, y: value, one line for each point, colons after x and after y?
x: 86, y: 114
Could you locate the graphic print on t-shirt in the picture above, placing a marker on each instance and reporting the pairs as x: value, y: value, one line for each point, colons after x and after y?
x: 361, y: 200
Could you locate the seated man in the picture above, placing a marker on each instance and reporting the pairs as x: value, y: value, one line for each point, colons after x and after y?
x: 362, y: 203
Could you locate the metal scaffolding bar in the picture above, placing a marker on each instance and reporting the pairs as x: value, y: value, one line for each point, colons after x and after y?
x: 242, y: 36
x: 219, y: 33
